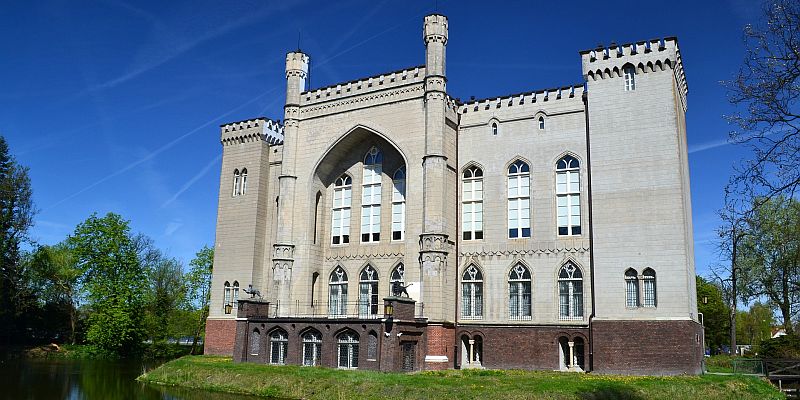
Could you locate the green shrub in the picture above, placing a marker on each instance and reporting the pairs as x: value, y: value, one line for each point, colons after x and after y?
x: 787, y: 346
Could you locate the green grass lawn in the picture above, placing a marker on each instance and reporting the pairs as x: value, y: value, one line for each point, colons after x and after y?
x: 293, y: 382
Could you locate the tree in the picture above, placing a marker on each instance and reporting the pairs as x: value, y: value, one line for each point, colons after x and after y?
x: 115, y: 282
x: 59, y: 277
x: 770, y: 256
x: 166, y: 295
x: 199, y: 288
x: 755, y: 324
x: 766, y: 91
x: 16, y: 218
x: 715, y: 314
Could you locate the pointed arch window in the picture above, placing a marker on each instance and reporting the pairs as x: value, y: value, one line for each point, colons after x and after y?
x: 519, y: 293
x: 371, y: 196
x: 235, y: 294
x: 630, y: 78
x: 347, y: 350
x: 244, y: 181
x: 398, y: 275
x: 312, y: 346
x: 631, y: 288
x: 337, y: 304
x: 237, y: 182
x: 227, y: 295
x: 342, y: 195
x: 494, y: 128
x: 472, y: 204
x: 570, y: 292
x: 519, y: 200
x: 255, y: 342
x: 649, y: 287
x: 541, y: 123
x: 568, y: 196
x: 279, y: 346
x: 399, y: 204
x: 368, y: 293
x: 472, y: 293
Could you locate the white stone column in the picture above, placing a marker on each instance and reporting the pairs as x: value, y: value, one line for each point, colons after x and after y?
x: 571, y: 355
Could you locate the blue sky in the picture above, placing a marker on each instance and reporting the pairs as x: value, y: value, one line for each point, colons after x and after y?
x: 115, y: 105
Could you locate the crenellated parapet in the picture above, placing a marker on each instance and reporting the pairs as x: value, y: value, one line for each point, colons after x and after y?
x: 655, y: 55
x: 542, y: 96
x: 296, y: 65
x: 435, y: 29
x: 363, y: 86
x: 252, y: 130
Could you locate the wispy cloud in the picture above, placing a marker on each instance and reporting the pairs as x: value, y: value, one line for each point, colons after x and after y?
x: 708, y: 145
x: 194, y: 179
x: 172, y: 226
x: 158, y: 151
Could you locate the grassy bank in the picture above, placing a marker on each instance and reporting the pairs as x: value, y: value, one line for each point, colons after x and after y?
x: 150, y: 351
x: 222, y: 375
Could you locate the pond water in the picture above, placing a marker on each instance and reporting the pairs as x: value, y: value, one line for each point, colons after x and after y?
x: 22, y: 378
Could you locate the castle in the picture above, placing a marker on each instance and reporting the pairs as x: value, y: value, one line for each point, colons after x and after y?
x: 548, y: 230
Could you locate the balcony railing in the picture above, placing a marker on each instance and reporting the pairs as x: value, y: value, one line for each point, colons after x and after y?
x: 360, y: 310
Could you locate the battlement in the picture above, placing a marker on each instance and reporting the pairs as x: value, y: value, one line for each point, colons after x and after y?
x: 648, y: 56
x: 296, y: 64
x: 435, y: 28
x: 252, y: 130
x: 566, y: 92
x: 365, y: 85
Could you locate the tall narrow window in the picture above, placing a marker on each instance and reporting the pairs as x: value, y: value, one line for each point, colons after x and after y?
x: 342, y: 194
x: 235, y: 293
x: 472, y: 293
x: 279, y: 345
x: 541, y: 123
x: 630, y: 78
x: 519, y: 200
x: 472, y: 204
x: 399, y: 204
x: 398, y: 275
x: 317, y: 211
x: 368, y: 293
x: 237, y: 182
x: 570, y: 292
x: 348, y: 350
x: 244, y: 181
x: 337, y: 304
x: 371, y: 196
x: 631, y: 288
x: 494, y: 128
x: 568, y: 196
x: 312, y: 345
x: 372, y: 346
x: 227, y: 295
x: 649, y: 285
x: 519, y: 293
x: 255, y: 342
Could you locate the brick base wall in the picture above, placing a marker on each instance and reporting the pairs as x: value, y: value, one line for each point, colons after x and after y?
x: 520, y: 347
x: 647, y: 347
x: 441, y: 342
x: 220, y: 337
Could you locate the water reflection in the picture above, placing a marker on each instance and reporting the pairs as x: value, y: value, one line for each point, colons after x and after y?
x: 77, y: 380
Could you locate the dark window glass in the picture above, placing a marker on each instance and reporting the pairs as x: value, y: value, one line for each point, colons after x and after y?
x: 397, y: 235
x: 468, y: 235
x: 512, y: 233
x: 346, y: 239
x: 479, y: 235
x: 335, y: 240
x: 526, y: 232
x: 365, y: 237
x: 563, y: 230
x: 576, y: 230
x: 376, y: 237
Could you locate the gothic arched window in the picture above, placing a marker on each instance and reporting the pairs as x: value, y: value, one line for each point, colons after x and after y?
x: 237, y: 182
x: 342, y: 195
x: 519, y: 200
x: 541, y: 123
x: 244, y: 181
x: 568, y: 196
x: 519, y: 293
x: 347, y: 350
x: 630, y: 78
x: 472, y: 204
x: 631, y: 288
x: 371, y: 196
x: 255, y: 342
x: 399, y: 204
x: 570, y: 292
x: 278, y: 345
x: 494, y: 128
x: 235, y: 294
x: 337, y: 304
x: 227, y: 295
x: 368, y: 292
x: 649, y: 287
x: 472, y: 293
x: 398, y: 275
x: 312, y: 346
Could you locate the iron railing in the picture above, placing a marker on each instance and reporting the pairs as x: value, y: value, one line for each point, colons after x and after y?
x: 358, y: 309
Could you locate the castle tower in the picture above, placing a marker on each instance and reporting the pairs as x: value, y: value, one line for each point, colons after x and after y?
x: 284, y: 247
x: 641, y: 221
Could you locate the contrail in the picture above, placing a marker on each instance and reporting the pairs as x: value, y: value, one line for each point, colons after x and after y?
x: 708, y: 146
x: 194, y: 179
x: 157, y: 151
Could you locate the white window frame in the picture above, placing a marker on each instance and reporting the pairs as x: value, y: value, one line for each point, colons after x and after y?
x: 570, y: 293
x: 347, y: 341
x: 519, y: 200
x: 371, y: 196
x: 568, y: 196
x: 341, y: 211
x: 649, y: 289
x: 398, y: 275
x: 312, y: 341
x: 237, y: 180
x: 235, y: 294
x: 337, y: 293
x: 472, y: 293
x: 399, y: 204
x: 368, y: 292
x: 629, y: 73
x: 472, y: 204
x: 520, y: 286
x: 244, y: 182
x: 631, y: 288
x: 278, y: 338
x: 226, y: 297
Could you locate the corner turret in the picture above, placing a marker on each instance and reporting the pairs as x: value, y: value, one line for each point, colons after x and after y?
x: 296, y: 74
x: 435, y: 36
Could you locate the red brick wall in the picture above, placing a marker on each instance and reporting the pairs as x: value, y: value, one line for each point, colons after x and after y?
x: 441, y: 341
x: 647, y: 347
x: 522, y: 347
x: 220, y: 336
